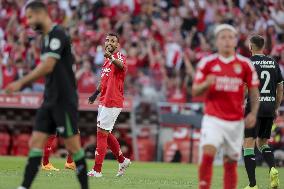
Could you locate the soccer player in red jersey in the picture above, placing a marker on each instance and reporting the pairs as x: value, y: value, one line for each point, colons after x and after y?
x: 46, y: 165
x: 222, y: 78
x: 111, y: 102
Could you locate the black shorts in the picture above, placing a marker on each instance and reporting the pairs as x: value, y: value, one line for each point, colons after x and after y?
x: 262, y: 128
x: 60, y: 119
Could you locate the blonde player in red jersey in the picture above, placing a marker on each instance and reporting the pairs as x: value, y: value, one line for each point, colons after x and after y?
x: 222, y: 77
x: 111, y: 102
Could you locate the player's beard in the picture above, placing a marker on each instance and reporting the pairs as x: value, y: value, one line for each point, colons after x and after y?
x: 110, y: 50
x: 38, y: 27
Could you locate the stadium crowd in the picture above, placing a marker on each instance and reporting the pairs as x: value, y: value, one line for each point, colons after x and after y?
x: 162, y: 39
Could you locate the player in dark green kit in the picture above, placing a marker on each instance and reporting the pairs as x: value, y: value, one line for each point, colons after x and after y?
x: 59, y: 111
x: 271, y: 93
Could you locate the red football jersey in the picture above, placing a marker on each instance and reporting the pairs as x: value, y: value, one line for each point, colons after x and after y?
x: 225, y: 98
x: 112, y: 82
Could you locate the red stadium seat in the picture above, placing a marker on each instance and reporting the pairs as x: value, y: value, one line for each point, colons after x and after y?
x: 146, y: 149
x: 4, y: 143
x: 183, y: 146
x: 20, y: 145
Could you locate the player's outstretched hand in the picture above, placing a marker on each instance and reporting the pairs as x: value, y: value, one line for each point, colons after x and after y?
x: 92, y: 99
x: 13, y: 87
x: 250, y: 120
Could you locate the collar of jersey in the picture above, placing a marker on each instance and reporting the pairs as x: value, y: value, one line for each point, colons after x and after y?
x: 52, y: 27
x: 226, y: 60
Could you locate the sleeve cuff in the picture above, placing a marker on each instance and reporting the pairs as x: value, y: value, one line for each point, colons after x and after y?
x: 50, y: 54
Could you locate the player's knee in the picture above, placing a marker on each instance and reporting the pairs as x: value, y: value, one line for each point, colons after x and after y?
x: 228, y: 159
x: 72, y: 144
x: 36, y: 142
x: 209, y: 149
x: 249, y: 143
x: 73, y: 150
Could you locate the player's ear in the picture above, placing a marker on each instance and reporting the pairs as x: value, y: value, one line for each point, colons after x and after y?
x: 250, y: 47
x: 216, y: 42
x: 117, y: 46
x: 236, y: 41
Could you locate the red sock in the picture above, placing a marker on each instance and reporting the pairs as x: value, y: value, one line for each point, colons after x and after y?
x: 205, y: 171
x: 230, y: 175
x: 47, y: 149
x: 69, y: 158
x: 115, y: 148
x: 100, y: 151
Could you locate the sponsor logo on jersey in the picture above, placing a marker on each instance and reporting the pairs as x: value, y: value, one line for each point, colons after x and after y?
x: 228, y: 84
x: 264, y: 63
x: 105, y: 72
x: 266, y: 99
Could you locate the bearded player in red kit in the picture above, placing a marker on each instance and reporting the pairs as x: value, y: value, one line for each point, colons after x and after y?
x: 222, y: 77
x: 110, y: 105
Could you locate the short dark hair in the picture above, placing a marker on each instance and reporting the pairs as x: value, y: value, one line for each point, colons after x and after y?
x: 36, y: 5
x: 115, y: 35
x: 257, y: 41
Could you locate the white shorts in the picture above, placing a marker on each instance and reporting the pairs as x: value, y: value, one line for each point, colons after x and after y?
x: 107, y: 117
x: 222, y: 133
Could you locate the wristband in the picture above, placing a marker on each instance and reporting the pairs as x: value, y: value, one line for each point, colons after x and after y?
x: 96, y: 93
x: 94, y: 96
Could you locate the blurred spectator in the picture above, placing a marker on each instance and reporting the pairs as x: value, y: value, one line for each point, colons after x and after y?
x: 163, y: 40
x: 22, y: 70
x: 86, y: 78
x: 9, y: 72
x: 277, y: 15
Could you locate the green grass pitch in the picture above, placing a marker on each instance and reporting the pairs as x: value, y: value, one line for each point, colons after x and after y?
x: 139, y: 176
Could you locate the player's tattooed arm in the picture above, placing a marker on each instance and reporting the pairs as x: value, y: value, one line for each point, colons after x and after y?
x: 41, y: 70
x: 200, y: 88
x: 250, y: 119
x: 116, y: 61
x: 99, y: 87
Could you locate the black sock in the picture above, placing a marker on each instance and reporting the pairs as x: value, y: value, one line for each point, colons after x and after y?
x: 32, y: 167
x: 249, y: 158
x: 268, y: 156
x: 81, y: 169
x: 250, y: 167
